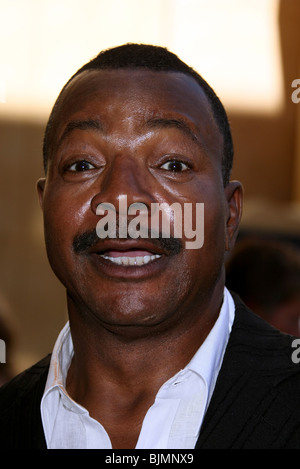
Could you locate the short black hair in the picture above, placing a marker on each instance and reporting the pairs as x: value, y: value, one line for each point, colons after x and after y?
x: 155, y: 58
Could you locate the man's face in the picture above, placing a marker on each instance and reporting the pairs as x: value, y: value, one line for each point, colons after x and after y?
x: 144, y: 137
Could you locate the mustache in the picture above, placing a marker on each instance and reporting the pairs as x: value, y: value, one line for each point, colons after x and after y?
x: 83, y: 242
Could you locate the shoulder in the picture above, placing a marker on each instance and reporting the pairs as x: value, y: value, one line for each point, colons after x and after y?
x: 256, y: 401
x: 34, y: 378
x: 265, y: 347
x: 20, y: 417
x: 265, y: 358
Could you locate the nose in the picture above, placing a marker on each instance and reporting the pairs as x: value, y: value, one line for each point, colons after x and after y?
x: 126, y: 178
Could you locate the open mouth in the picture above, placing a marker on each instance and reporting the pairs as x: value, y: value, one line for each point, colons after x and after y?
x: 130, y: 258
x: 127, y: 258
x: 128, y: 252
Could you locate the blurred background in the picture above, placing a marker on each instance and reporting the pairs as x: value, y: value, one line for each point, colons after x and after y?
x: 248, y: 50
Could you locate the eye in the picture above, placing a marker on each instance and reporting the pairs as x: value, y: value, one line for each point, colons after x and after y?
x: 80, y: 166
x: 175, y: 166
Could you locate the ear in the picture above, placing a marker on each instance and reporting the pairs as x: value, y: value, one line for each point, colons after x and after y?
x: 40, y: 188
x: 234, y: 197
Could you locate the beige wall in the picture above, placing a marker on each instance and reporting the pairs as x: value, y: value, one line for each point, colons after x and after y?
x: 35, y: 297
x: 266, y: 145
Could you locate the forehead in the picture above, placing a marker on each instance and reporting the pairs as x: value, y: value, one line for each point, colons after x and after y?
x: 133, y: 96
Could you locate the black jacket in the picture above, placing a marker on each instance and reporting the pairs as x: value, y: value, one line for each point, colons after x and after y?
x: 255, y: 405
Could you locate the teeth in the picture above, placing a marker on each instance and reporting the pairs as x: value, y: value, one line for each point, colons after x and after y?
x: 139, y: 260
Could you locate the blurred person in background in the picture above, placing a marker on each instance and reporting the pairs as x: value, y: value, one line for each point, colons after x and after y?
x: 266, y: 275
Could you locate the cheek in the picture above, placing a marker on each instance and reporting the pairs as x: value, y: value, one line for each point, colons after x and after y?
x: 64, y: 210
x: 207, y: 261
x: 63, y: 218
x: 208, y: 218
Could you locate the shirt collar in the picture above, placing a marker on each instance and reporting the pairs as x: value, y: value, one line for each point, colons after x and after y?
x: 208, y: 359
x: 60, y: 360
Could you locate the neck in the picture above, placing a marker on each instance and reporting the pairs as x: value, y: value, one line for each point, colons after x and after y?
x: 131, y: 354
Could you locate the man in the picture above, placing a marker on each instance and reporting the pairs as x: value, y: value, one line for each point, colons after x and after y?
x: 157, y: 353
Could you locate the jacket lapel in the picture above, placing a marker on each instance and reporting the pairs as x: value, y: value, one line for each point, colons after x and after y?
x: 243, y: 412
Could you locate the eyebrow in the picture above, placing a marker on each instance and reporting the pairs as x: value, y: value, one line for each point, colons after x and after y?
x: 161, y: 122
x: 156, y: 122
x: 89, y: 124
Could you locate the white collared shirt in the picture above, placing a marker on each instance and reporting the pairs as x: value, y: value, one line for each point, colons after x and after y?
x: 174, y: 419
